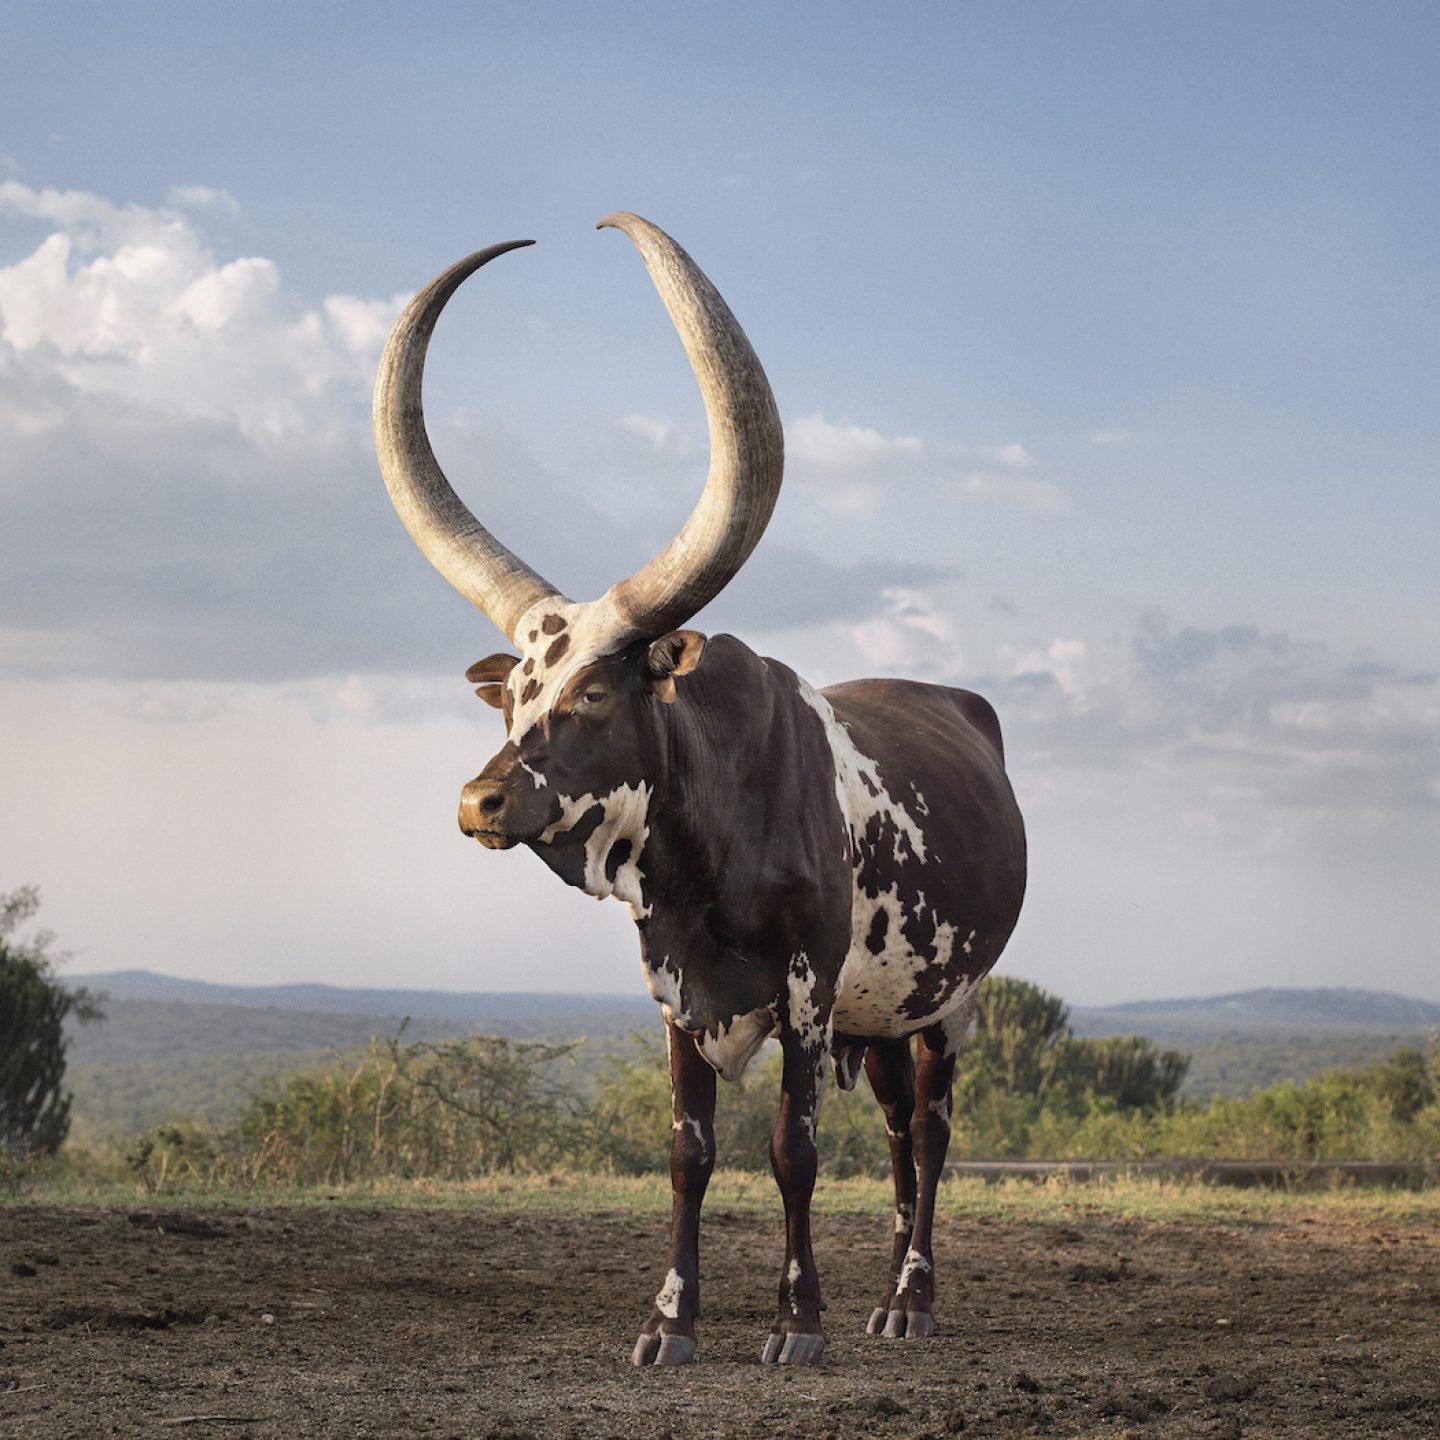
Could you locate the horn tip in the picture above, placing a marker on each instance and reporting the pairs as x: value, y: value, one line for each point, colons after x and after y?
x: 621, y: 220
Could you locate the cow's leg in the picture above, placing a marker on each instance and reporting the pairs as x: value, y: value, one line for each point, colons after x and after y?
x: 668, y: 1336
x: 890, y: 1069
x: 796, y: 1338
x: 911, y: 1307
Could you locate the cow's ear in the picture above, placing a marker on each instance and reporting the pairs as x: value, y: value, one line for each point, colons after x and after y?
x: 489, y: 675
x: 491, y: 668
x: 677, y: 653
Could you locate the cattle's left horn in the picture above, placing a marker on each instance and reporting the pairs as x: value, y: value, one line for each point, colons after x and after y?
x: 452, y: 539
x: 747, y: 444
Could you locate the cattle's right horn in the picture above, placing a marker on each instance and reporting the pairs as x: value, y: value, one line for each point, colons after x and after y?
x: 747, y: 445
x: 452, y: 539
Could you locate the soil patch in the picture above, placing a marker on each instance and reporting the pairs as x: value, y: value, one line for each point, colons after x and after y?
x: 300, y: 1322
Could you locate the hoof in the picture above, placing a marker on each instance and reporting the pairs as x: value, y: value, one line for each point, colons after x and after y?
x: 663, y: 1350
x: 792, y: 1349
x: 901, y: 1324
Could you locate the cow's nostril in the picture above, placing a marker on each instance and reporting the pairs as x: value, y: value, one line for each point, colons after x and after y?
x: 492, y: 803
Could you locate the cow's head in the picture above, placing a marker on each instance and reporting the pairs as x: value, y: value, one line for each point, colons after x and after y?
x: 580, y: 738
x: 575, y: 774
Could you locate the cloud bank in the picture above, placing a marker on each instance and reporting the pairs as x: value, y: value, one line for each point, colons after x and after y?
x: 189, y: 495
x: 189, y: 490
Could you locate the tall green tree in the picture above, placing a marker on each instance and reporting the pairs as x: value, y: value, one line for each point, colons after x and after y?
x: 1016, y: 1043
x: 34, y: 1005
x: 1021, y: 1061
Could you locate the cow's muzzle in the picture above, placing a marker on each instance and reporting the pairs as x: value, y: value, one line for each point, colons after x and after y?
x: 483, y: 813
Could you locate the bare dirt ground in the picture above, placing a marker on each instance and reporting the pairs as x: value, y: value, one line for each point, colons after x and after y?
x: 283, y: 1323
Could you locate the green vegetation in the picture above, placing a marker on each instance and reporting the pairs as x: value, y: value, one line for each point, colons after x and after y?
x: 1233, y: 1064
x: 434, y: 1113
x: 161, y: 1056
x: 34, y: 1104
x: 1133, y: 1198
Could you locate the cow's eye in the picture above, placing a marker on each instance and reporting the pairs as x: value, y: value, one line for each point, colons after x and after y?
x: 592, y: 697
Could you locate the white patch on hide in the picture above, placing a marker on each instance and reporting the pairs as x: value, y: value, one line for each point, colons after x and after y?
x: 571, y: 812
x: 663, y: 982
x: 915, y: 1263
x: 792, y: 1275
x: 804, y: 1016
x: 690, y: 1123
x: 729, y: 1048
x: 623, y: 816
x: 955, y: 1025
x: 667, y: 1302
x: 876, y: 990
x: 595, y: 629
x: 858, y: 787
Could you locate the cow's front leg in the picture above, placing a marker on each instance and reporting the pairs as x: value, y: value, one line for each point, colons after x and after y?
x: 796, y: 1338
x: 668, y: 1336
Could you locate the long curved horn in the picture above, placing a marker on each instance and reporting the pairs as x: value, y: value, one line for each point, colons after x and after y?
x: 747, y: 445
x: 747, y: 456
x: 452, y: 539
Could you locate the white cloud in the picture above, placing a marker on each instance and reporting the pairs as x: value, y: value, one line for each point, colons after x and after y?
x: 857, y: 469
x: 914, y: 634
x: 1061, y: 660
x: 813, y: 440
x: 203, y: 197
x: 91, y: 220
x: 1112, y: 438
x: 1037, y: 497
x: 129, y: 302
x: 187, y: 489
x: 659, y: 435
x: 846, y: 466
x: 1013, y: 456
x: 1268, y: 741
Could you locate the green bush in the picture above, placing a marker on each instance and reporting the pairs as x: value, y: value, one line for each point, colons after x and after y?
x: 448, y: 1111
x: 34, y: 1103
x: 1026, y: 1086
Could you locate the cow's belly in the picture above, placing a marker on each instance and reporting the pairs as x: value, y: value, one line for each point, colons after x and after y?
x: 896, y: 991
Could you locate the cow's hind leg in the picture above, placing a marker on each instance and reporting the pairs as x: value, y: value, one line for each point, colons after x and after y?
x: 891, y: 1073
x: 668, y: 1336
x: 796, y: 1338
x: 908, y: 1310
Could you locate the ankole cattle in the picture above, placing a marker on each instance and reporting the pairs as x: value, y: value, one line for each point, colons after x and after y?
x: 836, y: 868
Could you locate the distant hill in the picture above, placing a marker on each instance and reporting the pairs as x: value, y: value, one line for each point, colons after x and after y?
x: 1314, y: 1011
x: 450, y: 1005
x: 1252, y: 1038
x: 1308, y: 1010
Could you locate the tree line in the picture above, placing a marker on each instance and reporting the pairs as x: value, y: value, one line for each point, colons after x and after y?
x: 1025, y: 1087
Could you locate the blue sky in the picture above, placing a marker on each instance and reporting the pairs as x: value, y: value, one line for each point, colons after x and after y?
x: 1105, y: 339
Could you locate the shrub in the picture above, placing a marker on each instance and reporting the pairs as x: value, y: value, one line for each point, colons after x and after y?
x: 34, y: 1104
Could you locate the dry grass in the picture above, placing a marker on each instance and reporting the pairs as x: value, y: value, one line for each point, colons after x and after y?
x: 1043, y: 1202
